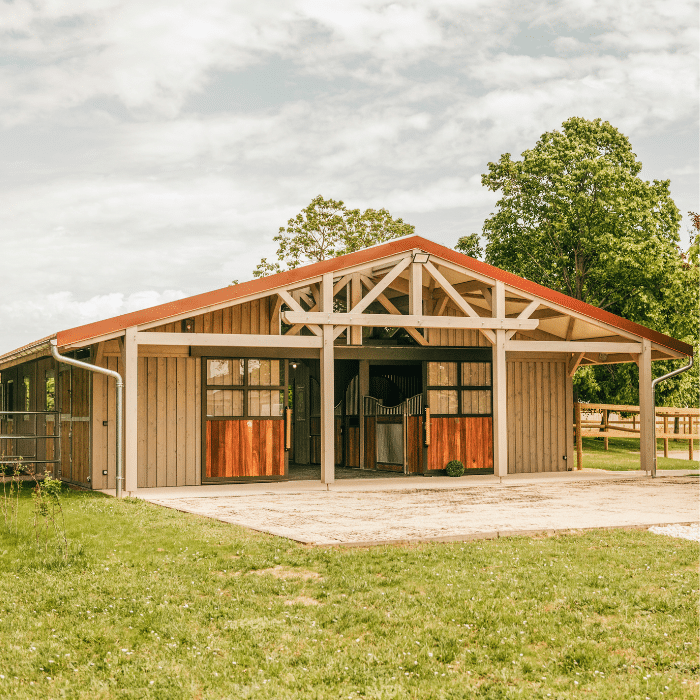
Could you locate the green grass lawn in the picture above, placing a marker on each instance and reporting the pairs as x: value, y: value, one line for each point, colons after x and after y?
x: 159, y: 604
x: 623, y: 454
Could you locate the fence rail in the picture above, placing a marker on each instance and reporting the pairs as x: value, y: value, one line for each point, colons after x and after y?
x: 612, y: 420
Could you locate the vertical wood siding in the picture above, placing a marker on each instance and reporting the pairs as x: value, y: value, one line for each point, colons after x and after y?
x: 539, y: 416
x: 250, y: 317
x: 414, y: 444
x: 468, y: 439
x: 352, y: 458
x: 169, y: 422
x: 370, y: 442
x: 449, y: 337
x: 245, y: 448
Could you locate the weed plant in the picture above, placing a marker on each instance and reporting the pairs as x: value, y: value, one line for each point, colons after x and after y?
x: 153, y: 603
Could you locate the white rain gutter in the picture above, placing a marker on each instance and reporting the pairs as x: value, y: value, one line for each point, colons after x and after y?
x: 656, y: 381
x: 120, y: 403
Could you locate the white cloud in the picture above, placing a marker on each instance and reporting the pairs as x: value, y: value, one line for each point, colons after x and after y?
x: 38, y: 316
x: 123, y: 181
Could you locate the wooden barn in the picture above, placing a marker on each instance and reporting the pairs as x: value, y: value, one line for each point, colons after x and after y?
x: 397, y: 358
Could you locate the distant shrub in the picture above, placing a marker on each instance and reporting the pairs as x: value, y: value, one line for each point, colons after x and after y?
x: 455, y: 468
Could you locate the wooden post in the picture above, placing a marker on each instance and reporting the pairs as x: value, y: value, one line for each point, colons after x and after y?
x: 355, y: 332
x: 500, y: 395
x: 415, y: 289
x: 690, y: 442
x: 647, y: 430
x: 605, y: 428
x: 131, y: 408
x: 327, y: 387
x: 665, y: 434
x: 579, y: 437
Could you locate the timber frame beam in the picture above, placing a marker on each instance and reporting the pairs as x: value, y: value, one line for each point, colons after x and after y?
x: 228, y: 340
x: 408, y: 321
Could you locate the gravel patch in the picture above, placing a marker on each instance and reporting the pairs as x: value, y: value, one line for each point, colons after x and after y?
x: 685, y: 532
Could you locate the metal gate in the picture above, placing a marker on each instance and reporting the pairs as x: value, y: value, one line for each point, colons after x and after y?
x: 29, y: 439
x: 392, y: 435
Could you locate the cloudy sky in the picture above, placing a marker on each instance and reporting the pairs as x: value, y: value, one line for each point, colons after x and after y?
x: 150, y: 149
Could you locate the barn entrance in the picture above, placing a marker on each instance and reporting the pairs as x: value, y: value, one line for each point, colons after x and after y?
x: 305, y: 402
x: 393, y: 418
x: 391, y: 411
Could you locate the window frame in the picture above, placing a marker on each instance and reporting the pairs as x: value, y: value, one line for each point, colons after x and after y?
x: 459, y: 388
x: 244, y: 387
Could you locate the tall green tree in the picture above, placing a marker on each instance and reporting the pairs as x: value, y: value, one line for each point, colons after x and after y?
x: 575, y: 216
x: 327, y: 228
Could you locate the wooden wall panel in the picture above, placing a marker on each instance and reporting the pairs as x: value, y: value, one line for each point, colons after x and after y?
x: 468, y: 439
x: 450, y: 337
x: 539, y: 415
x: 245, y: 448
x: 249, y: 317
x: 352, y: 458
x: 370, y: 443
x: 338, y: 446
x: 414, y: 444
x: 169, y: 436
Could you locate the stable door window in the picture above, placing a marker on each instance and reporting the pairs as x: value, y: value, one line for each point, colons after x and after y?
x: 459, y: 388
x: 244, y: 388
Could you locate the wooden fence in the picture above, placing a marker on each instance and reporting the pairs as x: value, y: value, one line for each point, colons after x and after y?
x: 607, y: 420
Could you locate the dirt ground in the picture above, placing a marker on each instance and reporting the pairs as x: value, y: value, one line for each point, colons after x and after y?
x: 374, y: 516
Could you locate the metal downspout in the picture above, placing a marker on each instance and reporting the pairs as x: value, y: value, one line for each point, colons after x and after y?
x: 120, y: 403
x: 654, y: 382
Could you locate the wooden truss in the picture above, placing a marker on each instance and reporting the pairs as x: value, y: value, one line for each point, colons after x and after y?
x: 401, y: 293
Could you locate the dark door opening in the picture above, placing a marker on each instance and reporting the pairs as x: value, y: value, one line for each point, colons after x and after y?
x: 393, y: 418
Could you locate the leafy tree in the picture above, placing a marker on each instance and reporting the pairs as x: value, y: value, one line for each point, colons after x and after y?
x: 326, y: 229
x: 575, y: 216
x: 470, y: 245
x: 694, y: 250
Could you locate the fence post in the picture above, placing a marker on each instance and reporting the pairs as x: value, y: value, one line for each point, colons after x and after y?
x: 579, y: 438
x: 605, y: 419
x: 690, y: 441
x: 665, y: 434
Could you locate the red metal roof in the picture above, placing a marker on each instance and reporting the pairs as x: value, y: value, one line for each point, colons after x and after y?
x: 199, y: 302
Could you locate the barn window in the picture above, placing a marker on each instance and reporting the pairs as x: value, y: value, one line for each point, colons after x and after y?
x: 50, y: 389
x: 244, y: 388
x: 459, y: 388
x: 27, y: 382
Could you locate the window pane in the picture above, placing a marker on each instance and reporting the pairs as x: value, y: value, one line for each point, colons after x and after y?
x: 225, y: 372
x: 265, y: 402
x: 443, y: 401
x: 27, y: 394
x: 50, y: 390
x: 263, y: 372
x: 476, y: 374
x: 224, y: 402
x: 476, y: 402
x: 442, y: 374
x: 254, y: 372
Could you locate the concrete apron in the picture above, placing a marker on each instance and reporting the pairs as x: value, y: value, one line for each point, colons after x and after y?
x: 443, y: 509
x: 392, y: 484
